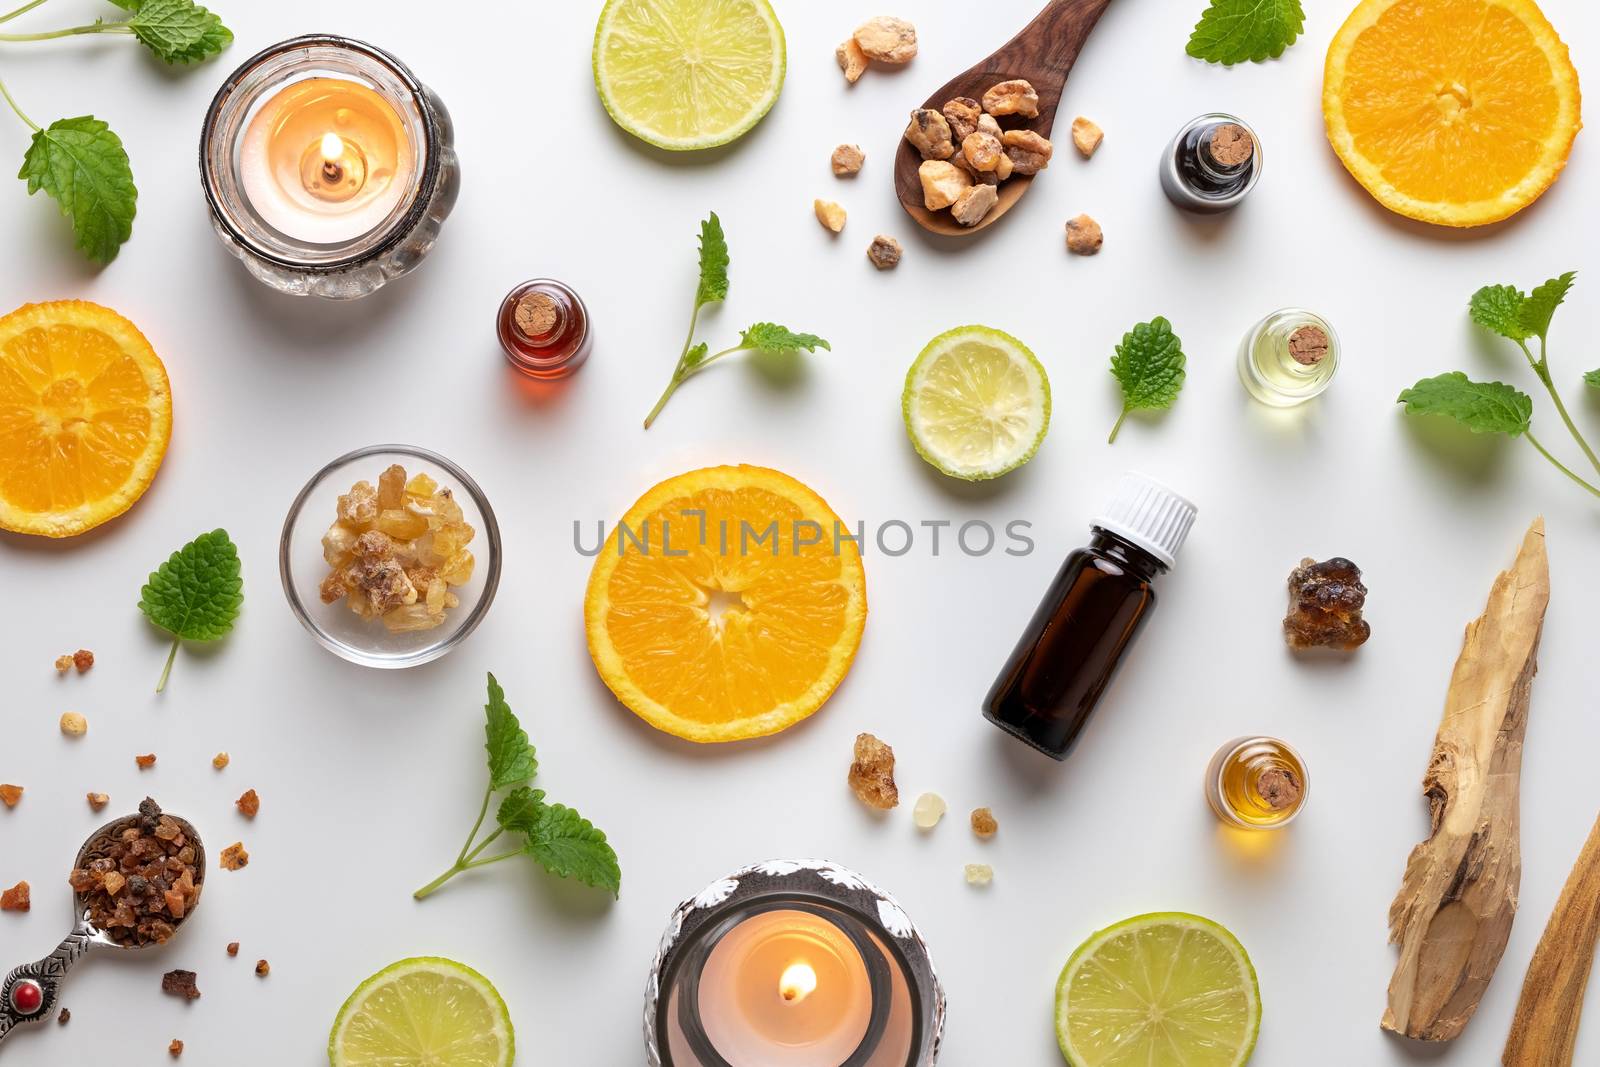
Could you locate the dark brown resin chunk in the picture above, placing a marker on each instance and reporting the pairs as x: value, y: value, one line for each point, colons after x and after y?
x: 1325, y: 602
x: 180, y: 984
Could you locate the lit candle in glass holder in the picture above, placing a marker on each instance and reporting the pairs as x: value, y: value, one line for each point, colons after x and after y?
x: 793, y: 964
x: 328, y: 167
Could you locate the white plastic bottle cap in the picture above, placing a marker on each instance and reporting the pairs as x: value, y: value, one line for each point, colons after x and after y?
x: 1150, y: 515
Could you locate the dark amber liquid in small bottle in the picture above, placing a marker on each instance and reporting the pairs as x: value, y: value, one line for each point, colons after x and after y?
x: 1099, y: 600
x: 544, y: 329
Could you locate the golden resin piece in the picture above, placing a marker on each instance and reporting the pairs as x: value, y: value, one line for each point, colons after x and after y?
x: 394, y: 551
x: 872, y: 773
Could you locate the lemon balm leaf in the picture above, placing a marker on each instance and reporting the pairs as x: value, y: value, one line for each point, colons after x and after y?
x: 195, y: 595
x: 1499, y: 308
x: 1540, y: 307
x: 1592, y: 379
x: 1149, y: 366
x: 1482, y: 407
x: 1233, y: 31
x: 81, y: 164
x: 519, y: 811
x: 770, y: 337
x: 570, y: 846
x: 713, y: 263
x: 512, y: 759
x: 179, y: 31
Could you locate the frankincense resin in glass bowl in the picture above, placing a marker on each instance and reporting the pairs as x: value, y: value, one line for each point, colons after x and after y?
x: 390, y: 556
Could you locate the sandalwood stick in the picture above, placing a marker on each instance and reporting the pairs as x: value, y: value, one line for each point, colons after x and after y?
x: 1544, y: 1031
x: 1453, y: 913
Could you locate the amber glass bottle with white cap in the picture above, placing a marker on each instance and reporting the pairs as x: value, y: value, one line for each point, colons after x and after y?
x: 1098, y: 603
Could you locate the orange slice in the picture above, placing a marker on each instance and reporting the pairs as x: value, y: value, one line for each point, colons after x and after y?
x: 1457, y: 112
x: 85, y: 415
x: 711, y: 617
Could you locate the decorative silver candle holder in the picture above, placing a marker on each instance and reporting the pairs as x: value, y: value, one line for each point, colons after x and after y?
x: 344, y: 269
x: 905, y: 1022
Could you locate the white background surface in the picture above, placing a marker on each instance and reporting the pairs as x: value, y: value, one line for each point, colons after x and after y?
x: 369, y: 779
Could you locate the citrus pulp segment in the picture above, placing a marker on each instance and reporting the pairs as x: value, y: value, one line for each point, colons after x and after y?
x: 1161, y: 990
x: 687, y: 74
x: 1456, y: 112
x: 423, y: 1012
x: 727, y: 604
x: 976, y: 403
x: 85, y: 416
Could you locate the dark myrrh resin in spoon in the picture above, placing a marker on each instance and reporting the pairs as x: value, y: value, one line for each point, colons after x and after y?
x: 1042, y: 54
x: 136, y: 881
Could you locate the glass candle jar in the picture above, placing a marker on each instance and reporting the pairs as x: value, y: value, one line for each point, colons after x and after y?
x: 544, y: 329
x: 792, y: 963
x: 1288, y: 357
x: 329, y: 169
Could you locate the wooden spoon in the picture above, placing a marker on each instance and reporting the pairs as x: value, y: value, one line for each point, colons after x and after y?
x: 1043, y: 54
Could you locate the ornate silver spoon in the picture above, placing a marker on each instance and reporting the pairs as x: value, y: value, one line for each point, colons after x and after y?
x: 30, y: 992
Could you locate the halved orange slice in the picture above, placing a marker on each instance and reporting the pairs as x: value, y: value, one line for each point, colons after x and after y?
x: 727, y: 604
x: 85, y: 416
x: 1456, y: 112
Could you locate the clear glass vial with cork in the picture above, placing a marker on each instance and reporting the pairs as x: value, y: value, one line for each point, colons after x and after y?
x: 1211, y: 164
x: 1257, y: 783
x: 1288, y: 357
x: 544, y: 329
x: 1100, y: 600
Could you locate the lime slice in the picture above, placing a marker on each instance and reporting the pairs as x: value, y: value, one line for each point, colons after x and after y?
x: 1164, y: 990
x: 425, y: 1012
x: 685, y: 74
x: 976, y: 403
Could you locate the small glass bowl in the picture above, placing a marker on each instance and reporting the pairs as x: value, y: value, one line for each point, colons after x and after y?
x: 302, y: 568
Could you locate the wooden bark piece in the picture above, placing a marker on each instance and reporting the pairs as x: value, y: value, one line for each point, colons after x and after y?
x: 1453, y: 913
x: 1544, y: 1031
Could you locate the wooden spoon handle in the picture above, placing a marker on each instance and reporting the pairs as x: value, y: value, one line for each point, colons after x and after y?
x: 1051, y: 43
x: 1544, y: 1031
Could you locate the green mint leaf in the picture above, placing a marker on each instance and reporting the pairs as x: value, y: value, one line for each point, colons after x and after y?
x: 179, y: 31
x: 128, y: 5
x: 713, y: 263
x: 519, y: 811
x: 695, y: 355
x: 1592, y: 379
x: 1541, y: 304
x: 82, y: 165
x: 1232, y: 31
x: 770, y: 337
x: 568, y: 845
x: 1499, y: 308
x: 196, y: 593
x: 512, y: 760
x: 1149, y: 366
x: 1482, y: 407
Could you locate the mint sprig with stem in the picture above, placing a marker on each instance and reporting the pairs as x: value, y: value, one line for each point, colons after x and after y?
x: 80, y: 162
x: 712, y: 289
x: 1494, y: 407
x: 552, y: 835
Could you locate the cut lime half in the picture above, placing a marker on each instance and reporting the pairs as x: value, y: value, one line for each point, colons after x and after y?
x: 687, y: 74
x: 976, y: 403
x: 424, y: 1012
x: 1163, y: 990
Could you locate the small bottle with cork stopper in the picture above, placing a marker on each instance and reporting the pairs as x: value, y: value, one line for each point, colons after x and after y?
x: 544, y: 329
x: 1212, y: 163
x: 1288, y: 357
x: 1257, y: 783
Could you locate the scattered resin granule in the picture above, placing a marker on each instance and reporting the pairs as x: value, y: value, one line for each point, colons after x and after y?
x: 929, y: 809
x: 145, y: 762
x: 263, y: 968
x: 979, y: 874
x: 97, y: 800
x: 249, y: 804
x: 872, y: 773
x: 16, y: 898
x: 233, y: 948
x: 235, y: 857
x: 983, y: 823
x: 176, y: 1048
x: 220, y: 760
x: 180, y: 984
x: 10, y: 794
x: 1325, y: 602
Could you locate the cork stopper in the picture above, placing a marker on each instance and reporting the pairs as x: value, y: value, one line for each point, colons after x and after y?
x: 1231, y: 145
x: 537, y: 314
x: 1308, y: 345
x: 1280, y: 788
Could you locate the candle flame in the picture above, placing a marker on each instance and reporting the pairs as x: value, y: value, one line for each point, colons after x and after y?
x: 799, y: 981
x: 332, y: 146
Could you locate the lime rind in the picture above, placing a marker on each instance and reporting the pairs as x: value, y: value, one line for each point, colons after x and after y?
x: 1220, y: 933
x: 1022, y: 358
x: 436, y: 965
x: 762, y: 101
